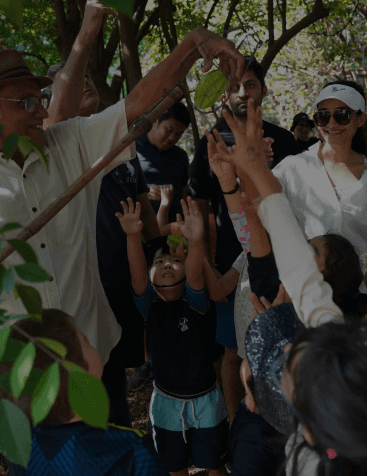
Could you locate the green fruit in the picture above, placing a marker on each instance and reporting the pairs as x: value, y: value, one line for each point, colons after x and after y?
x: 211, y: 86
x: 176, y: 240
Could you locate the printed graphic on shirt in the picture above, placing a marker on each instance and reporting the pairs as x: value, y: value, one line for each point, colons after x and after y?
x: 183, y: 324
x: 125, y: 173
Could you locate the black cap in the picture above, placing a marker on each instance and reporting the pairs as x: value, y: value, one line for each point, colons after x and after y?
x: 302, y: 116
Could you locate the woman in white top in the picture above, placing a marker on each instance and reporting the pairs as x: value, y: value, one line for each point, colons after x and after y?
x: 327, y: 184
x: 325, y: 375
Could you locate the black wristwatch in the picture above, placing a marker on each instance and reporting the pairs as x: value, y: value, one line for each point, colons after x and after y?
x: 232, y: 191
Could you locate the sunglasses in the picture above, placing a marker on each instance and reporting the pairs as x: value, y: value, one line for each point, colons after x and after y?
x: 30, y: 104
x: 342, y: 116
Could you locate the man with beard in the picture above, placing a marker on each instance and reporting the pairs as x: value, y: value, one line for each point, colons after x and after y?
x: 203, y: 186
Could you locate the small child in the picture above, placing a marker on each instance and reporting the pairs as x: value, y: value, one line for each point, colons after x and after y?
x: 62, y: 444
x: 187, y: 410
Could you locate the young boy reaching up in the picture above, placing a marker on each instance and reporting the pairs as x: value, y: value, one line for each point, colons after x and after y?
x: 187, y: 410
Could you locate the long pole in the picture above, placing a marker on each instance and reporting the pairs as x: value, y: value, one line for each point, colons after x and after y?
x: 142, y: 125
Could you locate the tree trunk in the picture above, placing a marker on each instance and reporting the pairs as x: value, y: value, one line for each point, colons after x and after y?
x: 129, y: 51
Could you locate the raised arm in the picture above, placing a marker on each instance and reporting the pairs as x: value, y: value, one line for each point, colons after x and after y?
x: 68, y: 87
x: 192, y: 229
x: 162, y: 78
x: 310, y: 294
x: 132, y: 226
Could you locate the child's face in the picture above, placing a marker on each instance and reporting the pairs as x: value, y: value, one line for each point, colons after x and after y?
x: 91, y: 356
x: 166, y: 269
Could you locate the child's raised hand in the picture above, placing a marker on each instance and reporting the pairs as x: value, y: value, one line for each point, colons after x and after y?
x: 166, y: 194
x: 180, y: 252
x: 130, y: 221
x: 249, y: 138
x: 263, y: 304
x: 193, y: 226
x: 217, y: 151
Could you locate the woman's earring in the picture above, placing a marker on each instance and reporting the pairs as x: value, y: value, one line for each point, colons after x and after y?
x: 331, y: 453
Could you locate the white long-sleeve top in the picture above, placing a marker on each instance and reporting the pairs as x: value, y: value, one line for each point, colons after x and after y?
x: 310, y: 294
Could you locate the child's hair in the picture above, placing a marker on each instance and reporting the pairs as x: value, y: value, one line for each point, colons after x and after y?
x: 59, y: 326
x: 342, y: 268
x: 330, y: 395
x: 151, y: 253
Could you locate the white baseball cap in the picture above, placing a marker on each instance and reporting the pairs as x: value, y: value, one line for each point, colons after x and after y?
x: 348, y: 95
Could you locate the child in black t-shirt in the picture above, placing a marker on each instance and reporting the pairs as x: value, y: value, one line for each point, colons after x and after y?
x: 187, y: 410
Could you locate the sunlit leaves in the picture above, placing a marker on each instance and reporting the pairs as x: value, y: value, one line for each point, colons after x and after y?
x: 4, y: 336
x: 22, y: 368
x: 15, y: 433
x: 123, y: 6
x: 13, y: 10
x: 45, y: 393
x: 26, y: 146
x: 30, y: 297
x: 25, y: 250
x: 32, y: 272
x: 10, y: 145
x: 9, y: 226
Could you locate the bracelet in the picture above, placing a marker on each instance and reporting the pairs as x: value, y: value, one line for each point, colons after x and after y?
x: 232, y: 191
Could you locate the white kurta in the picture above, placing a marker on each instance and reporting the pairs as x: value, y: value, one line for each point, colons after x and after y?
x: 66, y: 246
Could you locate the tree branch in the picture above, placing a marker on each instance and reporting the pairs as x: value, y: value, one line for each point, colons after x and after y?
x: 163, y: 15
x: 215, y: 3
x: 231, y: 11
x: 139, y: 10
x: 41, y: 58
x: 317, y: 13
x: 152, y: 20
x: 284, y: 16
x: 271, y: 22
x: 111, y: 46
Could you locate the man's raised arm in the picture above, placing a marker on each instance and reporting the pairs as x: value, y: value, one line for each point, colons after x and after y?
x: 68, y: 87
x: 162, y: 78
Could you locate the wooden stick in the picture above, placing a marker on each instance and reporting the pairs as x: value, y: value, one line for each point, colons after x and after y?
x: 141, y: 126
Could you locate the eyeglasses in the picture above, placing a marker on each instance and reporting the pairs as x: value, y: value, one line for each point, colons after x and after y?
x: 342, y: 116
x: 30, y: 104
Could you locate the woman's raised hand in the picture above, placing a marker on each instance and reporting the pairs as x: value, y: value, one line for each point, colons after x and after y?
x: 217, y: 152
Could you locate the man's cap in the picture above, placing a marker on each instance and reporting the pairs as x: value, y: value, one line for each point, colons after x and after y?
x: 346, y: 94
x: 302, y: 116
x: 265, y: 340
x: 13, y: 68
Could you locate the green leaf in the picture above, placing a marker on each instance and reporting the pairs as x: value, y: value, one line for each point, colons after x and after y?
x: 10, y: 144
x: 9, y: 280
x: 30, y: 385
x: 9, y: 226
x: 25, y: 250
x: 15, y: 433
x: 22, y: 368
x: 122, y: 6
x: 26, y: 145
x: 13, y: 10
x: 30, y: 297
x: 2, y: 277
x: 32, y: 272
x: 54, y: 345
x: 13, y: 349
x: 4, y: 336
x: 211, y: 86
x: 45, y: 393
x: 88, y: 398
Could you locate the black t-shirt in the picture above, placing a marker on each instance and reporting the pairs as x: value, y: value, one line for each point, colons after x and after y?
x: 164, y: 167
x: 204, y: 184
x: 126, y: 180
x: 255, y: 447
x: 302, y: 145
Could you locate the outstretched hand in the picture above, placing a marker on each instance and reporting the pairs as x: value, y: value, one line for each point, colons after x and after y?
x: 193, y: 226
x: 180, y: 252
x: 249, y: 148
x: 263, y: 304
x: 216, y: 150
x: 130, y: 221
x: 95, y: 15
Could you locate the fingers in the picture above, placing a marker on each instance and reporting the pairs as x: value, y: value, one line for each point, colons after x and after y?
x: 259, y: 308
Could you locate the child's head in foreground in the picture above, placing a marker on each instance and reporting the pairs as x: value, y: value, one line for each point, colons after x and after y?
x: 59, y: 326
x: 165, y: 269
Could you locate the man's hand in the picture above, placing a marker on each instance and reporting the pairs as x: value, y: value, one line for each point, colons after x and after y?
x: 211, y: 45
x: 166, y: 194
x: 263, y: 304
x: 130, y: 221
x: 154, y: 192
x: 95, y: 15
x: 193, y: 226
